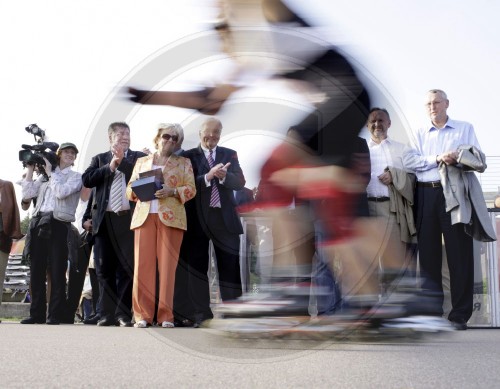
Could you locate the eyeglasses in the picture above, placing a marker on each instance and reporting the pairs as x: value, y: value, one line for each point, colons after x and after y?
x: 174, y: 138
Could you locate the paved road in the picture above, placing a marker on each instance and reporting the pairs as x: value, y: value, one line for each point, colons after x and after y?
x: 77, y: 356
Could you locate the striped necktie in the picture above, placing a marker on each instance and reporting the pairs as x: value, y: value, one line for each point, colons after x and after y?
x: 115, y: 193
x: 214, y: 196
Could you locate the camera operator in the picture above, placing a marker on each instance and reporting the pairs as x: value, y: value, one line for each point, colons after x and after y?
x: 57, y: 198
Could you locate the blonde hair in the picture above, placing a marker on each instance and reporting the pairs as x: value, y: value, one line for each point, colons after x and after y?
x: 169, y: 126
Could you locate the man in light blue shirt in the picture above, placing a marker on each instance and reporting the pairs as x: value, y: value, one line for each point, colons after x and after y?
x: 430, y: 145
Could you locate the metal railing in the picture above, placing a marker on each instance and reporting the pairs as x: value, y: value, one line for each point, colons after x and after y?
x: 490, y: 179
x: 486, y: 308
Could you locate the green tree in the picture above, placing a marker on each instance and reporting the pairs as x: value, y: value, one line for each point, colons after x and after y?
x: 25, y: 224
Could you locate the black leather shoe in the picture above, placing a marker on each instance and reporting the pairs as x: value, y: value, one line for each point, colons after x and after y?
x: 183, y: 323
x: 198, y: 323
x: 459, y: 325
x: 122, y: 322
x: 68, y: 320
x: 52, y: 322
x: 106, y: 322
x: 32, y: 320
x: 93, y: 320
x: 200, y: 318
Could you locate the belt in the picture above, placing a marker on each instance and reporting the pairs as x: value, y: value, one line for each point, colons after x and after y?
x: 121, y: 213
x: 430, y: 184
x: 378, y: 199
x: 42, y: 214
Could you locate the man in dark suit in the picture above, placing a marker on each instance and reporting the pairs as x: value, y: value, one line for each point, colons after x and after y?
x: 87, y: 247
x: 212, y: 216
x: 109, y: 174
x: 243, y: 196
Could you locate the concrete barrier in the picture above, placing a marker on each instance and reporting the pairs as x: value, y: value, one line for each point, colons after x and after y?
x: 16, y: 310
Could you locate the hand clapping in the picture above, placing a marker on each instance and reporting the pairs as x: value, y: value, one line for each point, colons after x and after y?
x: 218, y: 171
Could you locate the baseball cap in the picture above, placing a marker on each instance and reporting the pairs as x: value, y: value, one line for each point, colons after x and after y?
x: 68, y: 145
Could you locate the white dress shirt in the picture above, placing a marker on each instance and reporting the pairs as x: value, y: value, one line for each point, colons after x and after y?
x: 153, y: 205
x: 428, y: 142
x: 383, y: 154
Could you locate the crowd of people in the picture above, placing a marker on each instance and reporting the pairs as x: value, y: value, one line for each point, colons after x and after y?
x: 360, y: 209
x: 138, y: 241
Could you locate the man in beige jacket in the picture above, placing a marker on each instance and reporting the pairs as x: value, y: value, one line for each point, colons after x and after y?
x: 390, y: 196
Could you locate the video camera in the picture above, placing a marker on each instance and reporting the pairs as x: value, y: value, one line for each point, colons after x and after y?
x: 36, y: 131
x: 33, y: 155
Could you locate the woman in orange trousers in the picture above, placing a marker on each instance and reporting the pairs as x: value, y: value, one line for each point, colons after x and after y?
x: 159, y: 226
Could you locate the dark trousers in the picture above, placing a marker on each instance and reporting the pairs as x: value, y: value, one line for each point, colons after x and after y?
x: 96, y: 292
x: 183, y: 309
x: 433, y: 223
x: 114, y: 263
x: 76, y: 279
x: 193, y: 269
x: 49, y: 254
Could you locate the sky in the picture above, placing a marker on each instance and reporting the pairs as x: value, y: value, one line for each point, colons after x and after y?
x: 65, y: 64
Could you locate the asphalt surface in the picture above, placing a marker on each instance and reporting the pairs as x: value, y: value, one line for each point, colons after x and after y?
x: 80, y: 356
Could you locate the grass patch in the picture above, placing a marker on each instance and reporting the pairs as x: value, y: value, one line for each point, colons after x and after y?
x: 5, y: 319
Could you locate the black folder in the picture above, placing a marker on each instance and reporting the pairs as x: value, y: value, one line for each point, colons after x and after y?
x: 147, y: 184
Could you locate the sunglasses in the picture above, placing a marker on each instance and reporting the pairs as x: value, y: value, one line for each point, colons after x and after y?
x: 174, y: 138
